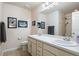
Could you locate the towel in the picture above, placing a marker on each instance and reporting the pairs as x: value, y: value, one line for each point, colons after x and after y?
x: 2, y: 32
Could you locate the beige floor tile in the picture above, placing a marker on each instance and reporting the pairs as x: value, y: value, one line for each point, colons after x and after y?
x: 18, y: 52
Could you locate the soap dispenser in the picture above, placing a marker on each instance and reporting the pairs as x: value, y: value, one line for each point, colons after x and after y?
x: 77, y: 38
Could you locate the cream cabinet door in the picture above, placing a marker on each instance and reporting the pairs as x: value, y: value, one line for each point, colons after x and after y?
x: 39, y: 48
x: 56, y: 51
x: 39, y: 51
x: 33, y: 49
x: 29, y: 46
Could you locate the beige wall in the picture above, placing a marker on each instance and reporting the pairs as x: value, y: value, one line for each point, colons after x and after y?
x: 0, y: 11
x: 13, y: 34
x: 33, y: 18
x: 38, y: 16
x: 0, y: 20
x: 61, y: 23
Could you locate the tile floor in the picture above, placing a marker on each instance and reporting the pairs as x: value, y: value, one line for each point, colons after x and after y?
x: 18, y: 52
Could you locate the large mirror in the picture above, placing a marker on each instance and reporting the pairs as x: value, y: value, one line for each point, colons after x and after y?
x: 63, y: 16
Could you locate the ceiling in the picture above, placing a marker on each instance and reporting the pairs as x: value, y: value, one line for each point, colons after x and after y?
x: 25, y: 4
x: 66, y: 7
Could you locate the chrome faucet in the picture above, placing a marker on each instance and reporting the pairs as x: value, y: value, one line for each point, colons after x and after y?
x: 67, y: 38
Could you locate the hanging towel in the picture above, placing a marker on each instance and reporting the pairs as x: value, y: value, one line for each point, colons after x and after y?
x: 2, y: 32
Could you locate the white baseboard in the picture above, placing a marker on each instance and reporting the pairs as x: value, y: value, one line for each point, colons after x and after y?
x: 11, y: 49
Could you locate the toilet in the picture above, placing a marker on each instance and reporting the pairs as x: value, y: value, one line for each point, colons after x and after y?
x: 24, y: 45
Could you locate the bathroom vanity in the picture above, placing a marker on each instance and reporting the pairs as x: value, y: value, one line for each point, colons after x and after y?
x: 47, y: 45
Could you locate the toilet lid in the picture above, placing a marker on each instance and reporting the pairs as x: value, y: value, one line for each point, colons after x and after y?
x: 24, y: 42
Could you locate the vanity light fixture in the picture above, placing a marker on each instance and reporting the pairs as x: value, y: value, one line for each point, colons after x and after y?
x: 45, y: 4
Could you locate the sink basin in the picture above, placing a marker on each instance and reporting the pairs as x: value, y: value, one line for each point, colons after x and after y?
x: 66, y: 43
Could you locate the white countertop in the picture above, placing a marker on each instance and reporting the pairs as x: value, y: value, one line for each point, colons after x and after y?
x: 50, y: 40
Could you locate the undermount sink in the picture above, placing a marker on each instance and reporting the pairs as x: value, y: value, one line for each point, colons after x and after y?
x: 66, y: 43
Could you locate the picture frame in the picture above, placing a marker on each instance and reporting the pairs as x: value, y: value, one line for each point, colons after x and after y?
x: 39, y: 24
x: 12, y: 22
x: 33, y: 23
x: 22, y: 24
x: 42, y: 25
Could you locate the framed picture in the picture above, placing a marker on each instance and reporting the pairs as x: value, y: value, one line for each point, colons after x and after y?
x: 33, y: 23
x: 39, y: 24
x: 42, y: 25
x: 12, y: 22
x: 22, y: 24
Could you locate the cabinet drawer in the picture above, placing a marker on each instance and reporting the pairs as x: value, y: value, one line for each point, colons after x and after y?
x: 56, y: 51
x: 46, y: 53
x: 33, y: 41
x: 39, y: 51
x: 39, y: 44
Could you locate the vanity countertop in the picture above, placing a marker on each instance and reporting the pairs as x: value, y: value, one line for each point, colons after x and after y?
x: 49, y: 39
